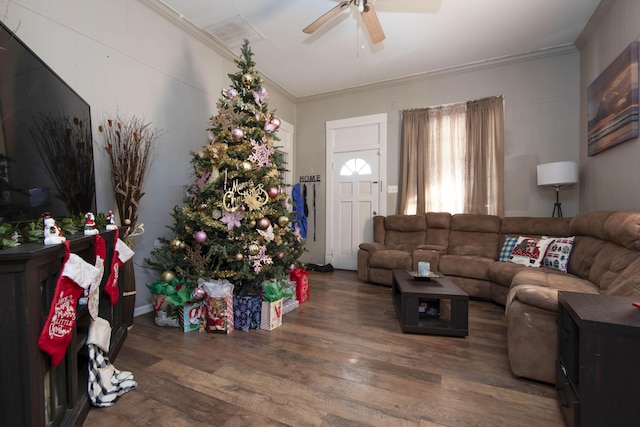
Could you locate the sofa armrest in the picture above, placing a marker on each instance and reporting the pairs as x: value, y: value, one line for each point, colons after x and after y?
x: 372, y: 247
x: 536, y: 296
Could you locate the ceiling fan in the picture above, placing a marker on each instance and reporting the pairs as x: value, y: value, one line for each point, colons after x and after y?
x: 368, y: 13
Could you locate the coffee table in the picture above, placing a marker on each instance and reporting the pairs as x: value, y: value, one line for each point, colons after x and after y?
x: 451, y: 302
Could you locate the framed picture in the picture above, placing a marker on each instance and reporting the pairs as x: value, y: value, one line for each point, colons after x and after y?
x: 612, y: 103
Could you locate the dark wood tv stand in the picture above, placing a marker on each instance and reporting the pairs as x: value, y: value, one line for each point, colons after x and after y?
x: 597, y: 371
x: 33, y: 392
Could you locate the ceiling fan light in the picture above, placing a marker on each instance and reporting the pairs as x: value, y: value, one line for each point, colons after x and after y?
x: 361, y: 6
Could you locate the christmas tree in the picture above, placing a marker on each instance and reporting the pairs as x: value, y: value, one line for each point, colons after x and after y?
x: 236, y: 222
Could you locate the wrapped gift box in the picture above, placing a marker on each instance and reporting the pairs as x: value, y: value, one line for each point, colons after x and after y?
x: 166, y: 313
x: 247, y: 312
x: 190, y: 316
x: 301, y: 277
x: 219, y: 312
x: 271, y: 316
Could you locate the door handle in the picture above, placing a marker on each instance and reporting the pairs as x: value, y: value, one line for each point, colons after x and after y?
x: 375, y: 213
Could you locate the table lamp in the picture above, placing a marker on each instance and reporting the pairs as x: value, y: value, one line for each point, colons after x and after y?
x: 557, y: 175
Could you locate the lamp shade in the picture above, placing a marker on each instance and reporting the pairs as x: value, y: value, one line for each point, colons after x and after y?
x: 557, y: 174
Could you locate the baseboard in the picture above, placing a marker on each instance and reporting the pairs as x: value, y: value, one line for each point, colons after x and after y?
x: 143, y: 309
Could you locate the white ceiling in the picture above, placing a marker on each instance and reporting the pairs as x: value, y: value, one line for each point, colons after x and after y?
x: 422, y: 36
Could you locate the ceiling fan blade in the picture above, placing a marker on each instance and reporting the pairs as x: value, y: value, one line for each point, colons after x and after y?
x: 326, y: 18
x: 372, y: 23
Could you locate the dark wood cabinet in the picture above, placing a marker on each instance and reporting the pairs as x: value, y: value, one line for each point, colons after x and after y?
x: 34, y: 393
x: 597, y: 371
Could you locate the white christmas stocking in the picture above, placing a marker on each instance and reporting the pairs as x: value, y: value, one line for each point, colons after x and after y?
x: 76, y: 276
x: 94, y: 289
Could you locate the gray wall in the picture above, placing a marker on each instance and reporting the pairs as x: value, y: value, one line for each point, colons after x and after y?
x: 122, y: 56
x: 541, y: 125
x: 609, y: 180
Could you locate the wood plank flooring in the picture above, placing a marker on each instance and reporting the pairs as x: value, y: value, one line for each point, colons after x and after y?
x: 340, y: 359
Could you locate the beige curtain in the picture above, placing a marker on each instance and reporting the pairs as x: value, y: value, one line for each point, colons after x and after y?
x: 452, y: 158
x: 484, y: 192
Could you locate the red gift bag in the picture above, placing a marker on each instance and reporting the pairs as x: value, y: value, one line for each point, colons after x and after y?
x: 301, y: 277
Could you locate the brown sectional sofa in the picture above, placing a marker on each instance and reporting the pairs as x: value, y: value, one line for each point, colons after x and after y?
x: 465, y: 247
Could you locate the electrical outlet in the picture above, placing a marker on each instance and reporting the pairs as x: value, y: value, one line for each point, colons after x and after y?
x: 392, y: 189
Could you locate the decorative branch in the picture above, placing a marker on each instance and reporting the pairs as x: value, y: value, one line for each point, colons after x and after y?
x: 130, y: 144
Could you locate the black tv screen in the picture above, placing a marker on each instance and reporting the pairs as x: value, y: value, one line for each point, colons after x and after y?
x: 46, y: 149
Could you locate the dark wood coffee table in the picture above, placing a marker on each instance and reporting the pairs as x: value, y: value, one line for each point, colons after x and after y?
x: 446, y: 306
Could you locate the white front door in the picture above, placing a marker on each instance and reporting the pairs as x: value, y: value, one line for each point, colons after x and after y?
x: 355, y: 191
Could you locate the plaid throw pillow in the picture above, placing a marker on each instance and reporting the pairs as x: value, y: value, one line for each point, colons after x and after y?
x: 507, y: 248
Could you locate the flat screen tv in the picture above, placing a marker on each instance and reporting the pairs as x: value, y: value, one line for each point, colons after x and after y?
x: 46, y: 149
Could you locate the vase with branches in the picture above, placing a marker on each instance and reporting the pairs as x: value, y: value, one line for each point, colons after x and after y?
x: 130, y: 144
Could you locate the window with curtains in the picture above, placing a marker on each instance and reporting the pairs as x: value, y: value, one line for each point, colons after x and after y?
x: 453, y: 158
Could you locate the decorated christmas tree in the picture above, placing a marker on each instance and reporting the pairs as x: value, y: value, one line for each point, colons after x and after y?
x: 236, y: 221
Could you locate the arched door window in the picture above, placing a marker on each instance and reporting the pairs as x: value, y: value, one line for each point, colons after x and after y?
x: 355, y: 167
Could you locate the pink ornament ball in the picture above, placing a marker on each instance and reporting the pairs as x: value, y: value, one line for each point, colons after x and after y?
x: 280, y: 255
x: 263, y: 223
x: 200, y: 236
x: 237, y: 134
x: 273, y: 192
x: 275, y: 122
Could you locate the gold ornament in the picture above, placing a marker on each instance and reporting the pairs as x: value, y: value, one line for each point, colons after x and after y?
x: 283, y: 221
x: 252, y: 223
x: 247, y: 79
x: 253, y: 249
x: 246, y: 166
x: 239, y: 257
x: 175, y: 244
x: 183, y: 245
x: 167, y: 276
x: 127, y: 221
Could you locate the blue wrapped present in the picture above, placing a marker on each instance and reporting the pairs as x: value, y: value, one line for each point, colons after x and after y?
x: 246, y: 312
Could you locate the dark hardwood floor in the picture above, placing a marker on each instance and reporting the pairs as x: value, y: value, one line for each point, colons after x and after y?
x: 340, y: 359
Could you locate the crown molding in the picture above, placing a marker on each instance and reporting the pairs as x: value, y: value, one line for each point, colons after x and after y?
x: 486, y: 63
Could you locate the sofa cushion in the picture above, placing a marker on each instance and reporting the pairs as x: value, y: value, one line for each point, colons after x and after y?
x: 585, y: 249
x: 391, y: 259
x: 474, y: 234
x: 535, y: 227
x: 471, y: 266
x: 555, y: 279
x: 623, y: 228
x: 529, y: 251
x: 627, y: 283
x: 438, y: 226
x: 611, y: 261
x: 502, y: 272
x: 558, y: 252
x: 404, y: 232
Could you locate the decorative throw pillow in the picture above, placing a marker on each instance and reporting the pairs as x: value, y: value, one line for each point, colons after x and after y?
x: 507, y: 248
x: 557, y: 256
x: 529, y: 251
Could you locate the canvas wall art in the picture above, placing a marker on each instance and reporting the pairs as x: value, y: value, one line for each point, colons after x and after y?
x: 612, y: 98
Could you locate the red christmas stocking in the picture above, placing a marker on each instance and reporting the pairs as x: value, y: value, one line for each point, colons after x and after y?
x: 76, y: 276
x: 122, y: 253
x: 94, y: 290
